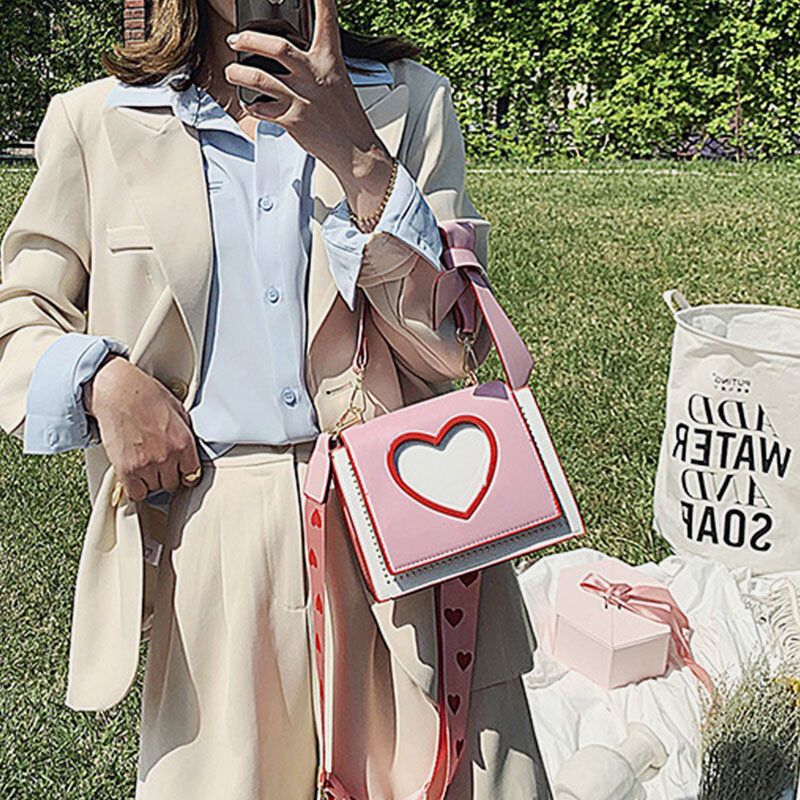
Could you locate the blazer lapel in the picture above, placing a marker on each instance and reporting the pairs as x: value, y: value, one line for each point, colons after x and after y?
x: 161, y: 163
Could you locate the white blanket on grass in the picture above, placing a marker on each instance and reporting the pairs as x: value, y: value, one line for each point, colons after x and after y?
x: 570, y: 711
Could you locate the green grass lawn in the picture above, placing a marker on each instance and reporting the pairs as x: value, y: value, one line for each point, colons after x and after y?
x: 580, y: 257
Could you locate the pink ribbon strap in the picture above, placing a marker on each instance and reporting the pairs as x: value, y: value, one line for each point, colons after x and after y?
x: 655, y: 603
x: 464, y: 288
x: 457, y: 603
x: 452, y: 289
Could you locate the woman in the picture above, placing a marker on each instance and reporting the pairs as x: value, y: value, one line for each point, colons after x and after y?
x: 177, y: 298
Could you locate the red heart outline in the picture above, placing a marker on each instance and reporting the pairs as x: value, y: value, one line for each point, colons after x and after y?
x: 435, y: 441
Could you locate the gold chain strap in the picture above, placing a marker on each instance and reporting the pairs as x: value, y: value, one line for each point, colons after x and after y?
x: 354, y: 413
x: 357, y: 405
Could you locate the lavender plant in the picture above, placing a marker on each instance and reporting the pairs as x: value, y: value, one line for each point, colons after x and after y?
x: 751, y: 737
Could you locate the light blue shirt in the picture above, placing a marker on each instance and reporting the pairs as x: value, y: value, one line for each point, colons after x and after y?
x: 252, y: 386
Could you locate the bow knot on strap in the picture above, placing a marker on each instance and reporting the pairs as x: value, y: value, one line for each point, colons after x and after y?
x: 463, y: 288
x: 458, y: 240
x: 655, y: 603
x: 452, y: 286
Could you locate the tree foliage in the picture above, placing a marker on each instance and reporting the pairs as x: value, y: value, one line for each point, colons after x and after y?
x: 48, y: 47
x: 531, y: 77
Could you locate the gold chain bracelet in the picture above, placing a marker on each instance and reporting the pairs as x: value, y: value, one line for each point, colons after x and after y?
x: 366, y: 224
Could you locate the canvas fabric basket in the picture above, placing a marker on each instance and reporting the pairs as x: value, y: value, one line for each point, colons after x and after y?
x: 728, y: 481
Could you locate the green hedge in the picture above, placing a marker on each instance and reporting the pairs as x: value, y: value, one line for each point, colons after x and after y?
x: 532, y: 78
x: 49, y: 46
x: 611, y: 77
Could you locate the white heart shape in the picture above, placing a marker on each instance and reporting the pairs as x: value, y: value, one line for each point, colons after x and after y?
x: 450, y: 474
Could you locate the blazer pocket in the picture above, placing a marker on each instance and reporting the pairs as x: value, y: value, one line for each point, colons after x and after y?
x: 127, y: 237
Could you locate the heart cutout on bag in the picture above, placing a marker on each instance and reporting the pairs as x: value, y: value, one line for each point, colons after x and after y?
x: 450, y: 472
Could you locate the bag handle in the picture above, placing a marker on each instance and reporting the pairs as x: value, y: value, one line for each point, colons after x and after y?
x: 464, y: 287
x: 456, y: 601
x: 675, y: 300
x: 515, y: 358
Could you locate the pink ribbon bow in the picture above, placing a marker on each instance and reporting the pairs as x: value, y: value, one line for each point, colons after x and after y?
x: 451, y: 288
x: 655, y: 603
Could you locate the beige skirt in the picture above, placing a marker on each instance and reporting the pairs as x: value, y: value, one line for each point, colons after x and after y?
x: 228, y: 709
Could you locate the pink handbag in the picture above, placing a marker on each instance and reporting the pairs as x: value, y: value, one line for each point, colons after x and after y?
x: 437, y: 491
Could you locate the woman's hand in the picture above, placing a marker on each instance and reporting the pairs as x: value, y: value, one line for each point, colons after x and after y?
x: 145, y: 429
x: 317, y: 104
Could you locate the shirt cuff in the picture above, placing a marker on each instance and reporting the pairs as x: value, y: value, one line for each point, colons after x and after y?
x: 407, y: 217
x: 55, y: 418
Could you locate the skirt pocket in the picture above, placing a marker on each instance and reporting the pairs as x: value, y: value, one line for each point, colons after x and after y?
x: 282, y: 520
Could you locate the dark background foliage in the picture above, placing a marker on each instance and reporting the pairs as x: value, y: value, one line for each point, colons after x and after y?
x: 47, y: 47
x: 532, y: 77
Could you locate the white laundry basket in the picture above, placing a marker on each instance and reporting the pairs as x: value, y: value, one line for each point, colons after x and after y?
x: 728, y: 480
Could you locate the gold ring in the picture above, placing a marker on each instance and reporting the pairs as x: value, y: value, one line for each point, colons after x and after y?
x: 193, y: 476
x: 116, y: 495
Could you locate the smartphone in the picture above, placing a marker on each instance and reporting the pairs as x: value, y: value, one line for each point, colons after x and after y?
x: 291, y: 19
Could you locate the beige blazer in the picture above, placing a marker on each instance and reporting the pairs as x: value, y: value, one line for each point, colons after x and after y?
x: 114, y: 238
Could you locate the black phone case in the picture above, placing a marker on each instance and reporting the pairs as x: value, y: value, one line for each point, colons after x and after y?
x: 291, y: 19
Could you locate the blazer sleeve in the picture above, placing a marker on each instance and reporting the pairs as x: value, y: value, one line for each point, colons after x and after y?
x: 55, y: 417
x: 397, y: 279
x: 44, y: 263
x: 407, y: 217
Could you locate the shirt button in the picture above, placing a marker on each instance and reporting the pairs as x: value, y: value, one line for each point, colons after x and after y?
x: 289, y: 396
x: 266, y: 203
x: 273, y: 294
x: 52, y: 436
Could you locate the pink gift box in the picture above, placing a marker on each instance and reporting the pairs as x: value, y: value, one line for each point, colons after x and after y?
x: 610, y: 645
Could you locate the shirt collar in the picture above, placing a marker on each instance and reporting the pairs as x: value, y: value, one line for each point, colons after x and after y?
x: 198, y: 109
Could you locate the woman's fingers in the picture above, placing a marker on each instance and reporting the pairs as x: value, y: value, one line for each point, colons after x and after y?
x: 135, y: 487
x: 147, y: 433
x: 266, y: 44
x: 168, y: 476
x: 326, y: 26
x: 165, y: 472
x: 189, y: 464
x: 253, y: 78
x: 149, y: 475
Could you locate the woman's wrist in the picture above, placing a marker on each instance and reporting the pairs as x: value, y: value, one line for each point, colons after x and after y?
x: 88, y: 386
x: 366, y: 177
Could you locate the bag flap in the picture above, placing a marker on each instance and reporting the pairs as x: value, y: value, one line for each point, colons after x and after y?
x: 449, y: 474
